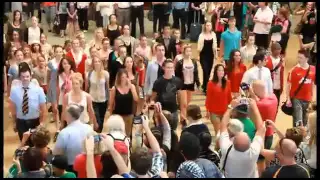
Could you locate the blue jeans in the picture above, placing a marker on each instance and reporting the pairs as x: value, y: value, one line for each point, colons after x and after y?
x: 299, y: 111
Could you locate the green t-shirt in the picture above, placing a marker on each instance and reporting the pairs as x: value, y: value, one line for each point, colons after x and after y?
x: 249, y: 127
x: 68, y: 175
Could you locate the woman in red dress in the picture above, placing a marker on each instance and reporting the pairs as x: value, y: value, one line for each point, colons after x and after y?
x: 235, y: 71
x: 78, y: 56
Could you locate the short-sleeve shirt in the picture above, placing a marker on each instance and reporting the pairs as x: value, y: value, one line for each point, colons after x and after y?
x: 231, y: 40
x: 36, y: 97
x: 249, y: 127
x: 167, y: 90
x: 240, y: 164
x: 297, y: 75
x: 70, y: 139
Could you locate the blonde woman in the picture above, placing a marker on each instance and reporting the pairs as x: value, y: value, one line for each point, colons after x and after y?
x: 207, y: 48
x: 81, y: 98
x: 122, y: 96
x: 97, y: 85
x: 97, y: 41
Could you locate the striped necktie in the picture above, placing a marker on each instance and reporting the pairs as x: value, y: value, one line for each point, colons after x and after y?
x: 25, y: 100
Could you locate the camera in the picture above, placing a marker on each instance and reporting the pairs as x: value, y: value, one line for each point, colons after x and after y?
x: 244, y: 86
x: 137, y: 120
x: 18, y: 153
x: 96, y: 138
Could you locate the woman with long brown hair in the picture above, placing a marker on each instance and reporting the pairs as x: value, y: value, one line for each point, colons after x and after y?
x: 113, y: 30
x: 122, y: 97
x: 36, y: 51
x: 235, y: 71
x: 97, y: 85
x: 218, y: 90
x: 105, y: 51
x: 15, y: 41
x: 16, y: 25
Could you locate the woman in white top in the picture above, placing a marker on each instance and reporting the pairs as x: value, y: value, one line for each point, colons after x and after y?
x: 63, y: 84
x: 249, y: 50
x: 97, y: 41
x: 80, y: 97
x: 97, y: 85
x: 106, y: 9
x: 143, y: 49
x: 34, y: 32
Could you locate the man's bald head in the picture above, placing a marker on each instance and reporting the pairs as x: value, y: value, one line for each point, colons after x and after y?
x: 241, y: 142
x: 288, y: 148
x: 259, y: 88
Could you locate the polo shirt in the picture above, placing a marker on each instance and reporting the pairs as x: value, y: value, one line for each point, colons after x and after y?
x: 36, y: 97
x: 71, y: 138
x: 231, y: 40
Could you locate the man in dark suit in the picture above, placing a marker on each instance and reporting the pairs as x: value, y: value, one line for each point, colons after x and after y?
x: 168, y: 41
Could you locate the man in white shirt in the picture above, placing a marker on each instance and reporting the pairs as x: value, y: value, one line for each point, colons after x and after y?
x: 263, y: 19
x: 123, y: 13
x: 259, y: 72
x: 83, y: 15
x: 137, y: 12
x: 239, y: 158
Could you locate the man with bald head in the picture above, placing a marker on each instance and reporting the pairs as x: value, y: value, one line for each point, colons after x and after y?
x: 286, y: 150
x: 268, y: 107
x: 239, y: 158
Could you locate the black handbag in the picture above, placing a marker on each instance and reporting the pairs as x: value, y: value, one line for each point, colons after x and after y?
x: 289, y: 110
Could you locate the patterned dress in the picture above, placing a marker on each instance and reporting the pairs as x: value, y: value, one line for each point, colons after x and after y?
x: 52, y: 93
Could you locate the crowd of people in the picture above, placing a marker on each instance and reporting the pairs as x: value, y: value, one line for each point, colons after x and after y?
x: 117, y: 100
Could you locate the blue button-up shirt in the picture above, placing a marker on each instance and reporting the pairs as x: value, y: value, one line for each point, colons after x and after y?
x: 180, y: 5
x: 36, y: 97
x: 70, y: 139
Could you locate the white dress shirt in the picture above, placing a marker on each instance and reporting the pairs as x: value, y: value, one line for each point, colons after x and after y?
x: 105, y: 8
x: 276, y: 74
x: 263, y: 15
x: 123, y: 5
x: 253, y: 74
x: 81, y: 5
x: 137, y: 3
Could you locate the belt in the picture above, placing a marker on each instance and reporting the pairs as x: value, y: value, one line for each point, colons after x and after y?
x: 28, y: 119
x: 125, y: 8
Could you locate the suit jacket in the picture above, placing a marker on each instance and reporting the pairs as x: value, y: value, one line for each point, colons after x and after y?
x: 171, y: 51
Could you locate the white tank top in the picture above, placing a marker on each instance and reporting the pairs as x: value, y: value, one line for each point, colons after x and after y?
x: 84, y: 115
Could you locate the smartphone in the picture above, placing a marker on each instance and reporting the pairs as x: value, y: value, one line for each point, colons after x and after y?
x: 137, y: 120
x: 243, y: 101
x: 97, y: 138
x: 244, y: 86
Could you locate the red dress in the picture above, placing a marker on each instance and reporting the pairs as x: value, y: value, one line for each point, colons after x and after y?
x: 235, y: 78
x: 218, y: 99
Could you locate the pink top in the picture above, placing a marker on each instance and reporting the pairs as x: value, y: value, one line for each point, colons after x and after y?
x: 145, y: 52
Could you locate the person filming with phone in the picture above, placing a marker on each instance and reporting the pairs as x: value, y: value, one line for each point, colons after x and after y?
x: 268, y: 106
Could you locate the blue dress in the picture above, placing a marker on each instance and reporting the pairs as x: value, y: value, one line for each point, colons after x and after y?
x: 52, y: 93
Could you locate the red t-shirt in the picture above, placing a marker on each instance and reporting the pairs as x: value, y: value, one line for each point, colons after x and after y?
x: 80, y: 165
x: 235, y: 78
x: 268, y: 107
x: 218, y: 99
x: 295, y: 78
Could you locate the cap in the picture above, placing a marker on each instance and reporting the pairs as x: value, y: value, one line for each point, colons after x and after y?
x: 243, y: 106
x: 121, y: 147
x: 60, y: 162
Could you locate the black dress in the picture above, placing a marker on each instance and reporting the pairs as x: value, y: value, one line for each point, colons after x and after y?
x: 206, y: 61
x: 113, y: 34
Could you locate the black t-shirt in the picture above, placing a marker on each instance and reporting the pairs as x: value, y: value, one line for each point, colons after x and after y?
x: 293, y: 171
x: 166, y: 90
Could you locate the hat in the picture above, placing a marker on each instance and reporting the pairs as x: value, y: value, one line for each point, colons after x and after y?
x: 243, y: 106
x: 194, y: 112
x: 121, y: 147
x: 60, y: 162
x: 190, y: 169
